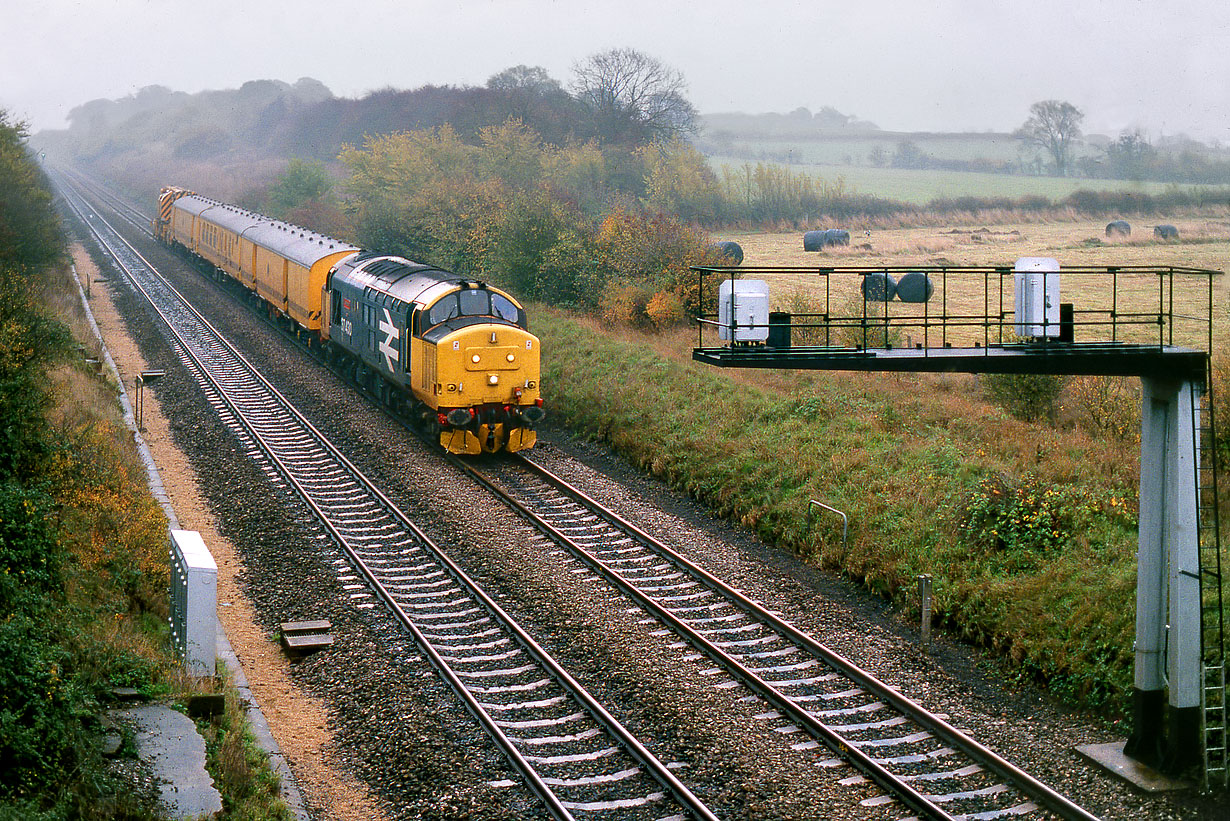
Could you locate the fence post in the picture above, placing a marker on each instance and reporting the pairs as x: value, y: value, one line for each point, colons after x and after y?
x: 924, y: 594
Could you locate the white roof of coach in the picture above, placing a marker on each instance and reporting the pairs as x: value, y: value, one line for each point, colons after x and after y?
x: 290, y: 241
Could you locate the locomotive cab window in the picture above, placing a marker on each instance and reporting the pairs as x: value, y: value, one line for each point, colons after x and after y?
x: 503, y: 307
x: 445, y: 309
x: 474, y: 302
x: 469, y: 302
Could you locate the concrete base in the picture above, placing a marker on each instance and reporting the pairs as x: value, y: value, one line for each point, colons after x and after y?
x: 168, y: 740
x: 1111, y: 758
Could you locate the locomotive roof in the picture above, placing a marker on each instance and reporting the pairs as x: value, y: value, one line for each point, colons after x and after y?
x: 297, y: 244
x: 401, y: 278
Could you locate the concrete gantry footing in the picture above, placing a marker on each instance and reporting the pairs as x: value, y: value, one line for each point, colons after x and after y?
x: 1112, y: 758
x: 1166, y: 694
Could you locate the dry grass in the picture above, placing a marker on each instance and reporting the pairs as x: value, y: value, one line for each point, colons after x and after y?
x: 1204, y: 243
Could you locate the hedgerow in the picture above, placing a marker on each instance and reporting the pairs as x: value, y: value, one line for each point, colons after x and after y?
x: 80, y: 545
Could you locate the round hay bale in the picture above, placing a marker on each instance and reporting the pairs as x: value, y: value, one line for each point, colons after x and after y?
x: 1165, y: 232
x: 878, y: 287
x: 915, y: 287
x: 814, y: 241
x: 731, y: 250
x: 836, y: 236
x: 1118, y: 228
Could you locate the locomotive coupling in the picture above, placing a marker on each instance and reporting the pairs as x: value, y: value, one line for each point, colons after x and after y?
x: 459, y: 417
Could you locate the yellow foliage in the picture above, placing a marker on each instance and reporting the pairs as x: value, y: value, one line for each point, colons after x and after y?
x: 113, y: 521
x: 624, y: 305
x: 678, y: 180
x: 665, y: 310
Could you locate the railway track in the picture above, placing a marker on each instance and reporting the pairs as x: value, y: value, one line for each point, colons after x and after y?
x: 809, y: 692
x: 812, y: 696
x: 564, y: 745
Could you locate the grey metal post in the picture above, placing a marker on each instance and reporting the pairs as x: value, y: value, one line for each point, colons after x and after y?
x: 1167, y: 584
x: 924, y: 594
x: 142, y: 378
x: 1184, y: 670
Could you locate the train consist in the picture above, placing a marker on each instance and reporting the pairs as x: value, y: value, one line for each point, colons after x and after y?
x: 453, y: 352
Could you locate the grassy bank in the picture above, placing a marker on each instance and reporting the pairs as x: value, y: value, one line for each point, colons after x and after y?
x: 1028, y: 532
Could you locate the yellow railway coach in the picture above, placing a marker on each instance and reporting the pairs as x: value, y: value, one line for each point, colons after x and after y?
x: 282, y: 263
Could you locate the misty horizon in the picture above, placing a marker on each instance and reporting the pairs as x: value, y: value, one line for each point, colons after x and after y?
x: 958, y: 66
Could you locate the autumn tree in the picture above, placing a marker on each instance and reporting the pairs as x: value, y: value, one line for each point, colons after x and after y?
x: 679, y: 181
x: 29, y: 232
x: 531, y: 95
x: 1054, y: 126
x: 301, y: 183
x: 1131, y: 156
x: 633, y: 98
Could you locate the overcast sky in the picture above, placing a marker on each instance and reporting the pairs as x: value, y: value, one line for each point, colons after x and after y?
x: 907, y: 65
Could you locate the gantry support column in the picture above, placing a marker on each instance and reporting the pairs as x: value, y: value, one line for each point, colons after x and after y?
x: 1166, y: 696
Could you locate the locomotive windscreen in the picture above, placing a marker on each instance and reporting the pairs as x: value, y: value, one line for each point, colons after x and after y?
x: 472, y: 302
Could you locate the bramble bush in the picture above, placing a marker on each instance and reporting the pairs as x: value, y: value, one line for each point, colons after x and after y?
x: 1025, y: 516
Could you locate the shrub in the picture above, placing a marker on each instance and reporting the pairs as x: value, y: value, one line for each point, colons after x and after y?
x: 634, y: 246
x: 625, y: 305
x: 1027, y: 396
x: 1023, y: 521
x: 540, y: 249
x: 39, y: 730
x: 30, y: 554
x: 665, y: 310
x: 1107, y: 405
x: 30, y: 233
x: 1002, y: 515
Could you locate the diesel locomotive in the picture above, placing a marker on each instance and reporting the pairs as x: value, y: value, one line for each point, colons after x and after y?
x: 453, y: 352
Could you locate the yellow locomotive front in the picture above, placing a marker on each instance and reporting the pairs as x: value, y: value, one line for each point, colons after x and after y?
x: 459, y: 349
x: 485, y: 388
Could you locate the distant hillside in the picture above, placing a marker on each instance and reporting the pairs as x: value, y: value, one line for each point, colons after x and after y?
x: 798, y: 123
x: 232, y: 142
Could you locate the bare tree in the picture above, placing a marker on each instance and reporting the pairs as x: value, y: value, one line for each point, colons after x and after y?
x: 534, y: 97
x: 633, y: 97
x: 1054, y: 126
x: 534, y: 79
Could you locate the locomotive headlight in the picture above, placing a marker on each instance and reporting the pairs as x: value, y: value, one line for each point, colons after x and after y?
x: 512, y: 358
x: 475, y: 359
x: 493, y: 379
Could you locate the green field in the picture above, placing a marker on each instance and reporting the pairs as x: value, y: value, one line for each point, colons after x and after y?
x: 840, y: 148
x: 922, y: 186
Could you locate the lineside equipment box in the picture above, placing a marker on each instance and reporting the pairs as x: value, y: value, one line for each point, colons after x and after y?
x: 743, y: 310
x: 1037, y: 297
x: 194, y: 602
